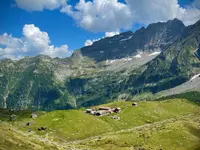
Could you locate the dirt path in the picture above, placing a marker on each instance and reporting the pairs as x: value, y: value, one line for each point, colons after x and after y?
x: 32, y: 136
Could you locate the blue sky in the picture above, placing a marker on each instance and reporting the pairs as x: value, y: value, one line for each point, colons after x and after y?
x: 60, y: 27
x: 64, y: 28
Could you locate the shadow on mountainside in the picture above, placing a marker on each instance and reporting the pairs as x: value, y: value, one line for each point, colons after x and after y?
x: 193, y: 96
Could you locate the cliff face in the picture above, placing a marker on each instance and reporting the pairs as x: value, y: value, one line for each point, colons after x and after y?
x: 177, y: 64
x: 156, y: 37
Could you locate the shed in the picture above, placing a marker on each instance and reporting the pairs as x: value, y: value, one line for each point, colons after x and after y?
x: 116, y: 117
x: 88, y: 110
x: 116, y: 110
x: 33, y: 115
x: 134, y: 104
x: 99, y: 113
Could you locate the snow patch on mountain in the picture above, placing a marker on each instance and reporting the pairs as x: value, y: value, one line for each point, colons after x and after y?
x: 154, y: 53
x: 125, y: 39
x: 118, y: 60
x: 138, y: 56
x: 195, y: 76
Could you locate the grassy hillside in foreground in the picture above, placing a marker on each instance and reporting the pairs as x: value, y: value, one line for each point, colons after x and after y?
x: 13, y: 139
x: 174, y: 134
x: 75, y: 128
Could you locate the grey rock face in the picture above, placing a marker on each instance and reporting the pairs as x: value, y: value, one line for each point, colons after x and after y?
x: 156, y: 37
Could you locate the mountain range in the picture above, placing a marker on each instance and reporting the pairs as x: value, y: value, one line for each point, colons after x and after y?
x: 157, y: 58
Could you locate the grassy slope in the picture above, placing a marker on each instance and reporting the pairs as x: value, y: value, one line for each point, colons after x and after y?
x: 175, y: 134
x: 13, y: 139
x: 75, y: 125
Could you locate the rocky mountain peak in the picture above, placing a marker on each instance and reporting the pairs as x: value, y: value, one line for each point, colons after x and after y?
x: 156, y: 37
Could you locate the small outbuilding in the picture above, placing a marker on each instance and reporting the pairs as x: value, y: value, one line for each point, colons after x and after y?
x: 33, y: 115
x: 102, y: 111
x: 116, y: 117
x: 92, y: 113
x: 99, y: 113
x: 88, y: 111
x: 117, y: 110
x: 134, y: 104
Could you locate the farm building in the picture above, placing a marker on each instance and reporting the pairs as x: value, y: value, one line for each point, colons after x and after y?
x: 33, y: 115
x: 117, y: 110
x: 134, y: 104
x: 101, y: 111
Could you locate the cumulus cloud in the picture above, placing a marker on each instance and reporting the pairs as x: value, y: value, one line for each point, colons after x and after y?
x: 112, y: 15
x: 196, y: 4
x: 39, y: 5
x: 88, y: 43
x: 149, y: 11
x: 190, y: 16
x: 110, y: 34
x: 107, y: 15
x: 100, y: 15
x: 107, y: 34
x: 34, y: 42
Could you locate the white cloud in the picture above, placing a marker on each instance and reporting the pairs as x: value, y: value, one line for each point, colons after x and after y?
x: 138, y: 56
x: 39, y: 5
x: 112, y: 15
x: 35, y: 39
x: 109, y: 15
x: 61, y: 51
x: 149, y: 11
x: 196, y: 4
x: 190, y: 16
x: 111, y: 34
x: 34, y: 42
x: 100, y: 15
x: 107, y: 34
x: 88, y: 43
